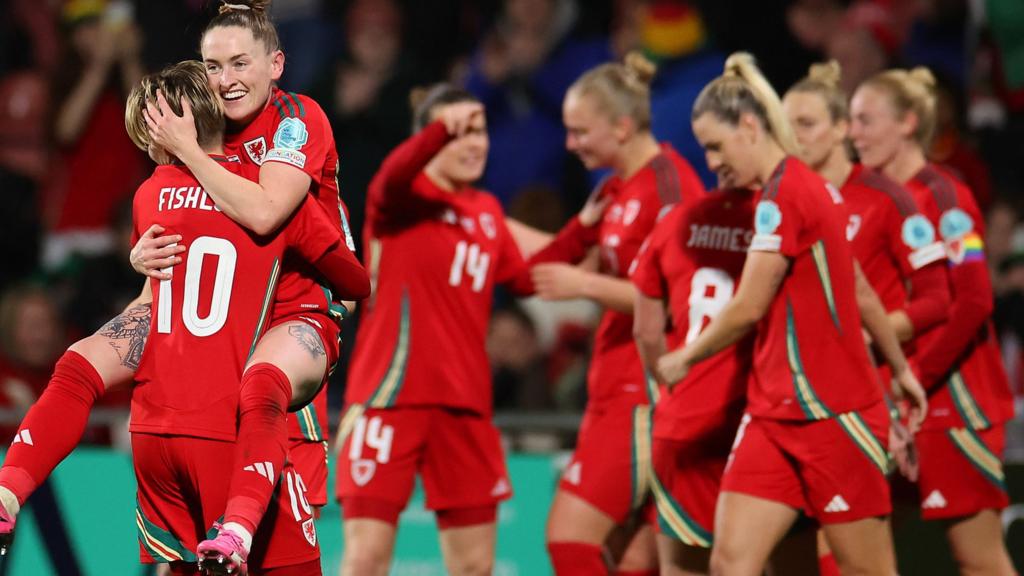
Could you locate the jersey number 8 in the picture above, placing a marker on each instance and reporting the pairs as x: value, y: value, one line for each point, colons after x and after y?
x: 710, y: 290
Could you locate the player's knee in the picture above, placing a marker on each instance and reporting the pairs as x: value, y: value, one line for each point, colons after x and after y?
x: 476, y: 561
x: 367, y: 558
x: 725, y: 560
x: 983, y: 560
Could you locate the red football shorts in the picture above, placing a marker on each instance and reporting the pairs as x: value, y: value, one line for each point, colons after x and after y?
x: 457, y: 454
x: 310, y: 461
x: 961, y: 471
x: 686, y: 481
x: 182, y: 491
x: 833, y: 469
x: 611, y: 467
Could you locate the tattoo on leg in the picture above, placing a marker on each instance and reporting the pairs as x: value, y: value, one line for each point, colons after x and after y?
x: 127, y: 333
x: 308, y: 339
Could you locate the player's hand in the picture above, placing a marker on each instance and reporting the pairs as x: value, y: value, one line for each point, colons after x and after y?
x: 903, y: 450
x: 172, y: 132
x: 458, y: 117
x: 558, y: 281
x: 672, y: 367
x: 153, y: 253
x: 912, y: 390
x: 594, y: 208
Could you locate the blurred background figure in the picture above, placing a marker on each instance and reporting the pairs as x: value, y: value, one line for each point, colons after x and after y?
x: 520, y: 381
x: 31, y: 339
x: 96, y: 165
x: 520, y: 71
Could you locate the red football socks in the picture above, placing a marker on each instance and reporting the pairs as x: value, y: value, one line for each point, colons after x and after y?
x: 577, y: 559
x: 53, y: 426
x: 827, y: 565
x: 262, y: 444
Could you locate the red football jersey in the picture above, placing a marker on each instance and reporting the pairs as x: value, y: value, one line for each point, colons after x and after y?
x: 891, y: 238
x: 294, y: 130
x: 616, y: 374
x: 434, y: 257
x: 810, y: 362
x: 976, y: 393
x: 205, y: 323
x: 693, y: 260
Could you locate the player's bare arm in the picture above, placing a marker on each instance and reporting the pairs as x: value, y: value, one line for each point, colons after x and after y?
x: 763, y: 274
x: 259, y: 206
x: 649, y: 320
x: 876, y: 322
x: 560, y: 281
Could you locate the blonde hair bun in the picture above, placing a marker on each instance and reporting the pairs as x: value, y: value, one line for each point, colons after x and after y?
x: 640, y: 66
x: 260, y: 6
x: 828, y: 73
x: 738, y: 63
x: 922, y: 76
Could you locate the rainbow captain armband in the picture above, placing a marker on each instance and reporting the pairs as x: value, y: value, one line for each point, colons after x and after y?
x: 970, y: 248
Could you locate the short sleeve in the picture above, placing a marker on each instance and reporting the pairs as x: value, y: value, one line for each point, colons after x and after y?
x: 912, y: 241
x: 302, y: 137
x: 961, y: 232
x: 778, y: 226
x: 645, y: 271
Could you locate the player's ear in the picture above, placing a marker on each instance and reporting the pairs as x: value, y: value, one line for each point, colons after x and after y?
x: 276, y: 65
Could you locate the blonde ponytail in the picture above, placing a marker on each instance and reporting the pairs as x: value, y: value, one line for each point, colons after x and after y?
x: 743, y: 89
x: 911, y: 91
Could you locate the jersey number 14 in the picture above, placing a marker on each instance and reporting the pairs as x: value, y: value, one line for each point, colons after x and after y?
x: 469, y: 259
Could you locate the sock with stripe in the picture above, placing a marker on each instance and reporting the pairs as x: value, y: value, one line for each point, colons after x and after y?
x: 577, y: 559
x: 52, y: 427
x: 262, y: 444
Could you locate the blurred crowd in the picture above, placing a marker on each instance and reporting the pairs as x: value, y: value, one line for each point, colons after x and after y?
x: 68, y: 170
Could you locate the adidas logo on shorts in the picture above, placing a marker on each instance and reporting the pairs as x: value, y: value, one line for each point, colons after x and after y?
x: 572, y: 475
x: 934, y: 501
x: 501, y: 488
x: 837, y: 504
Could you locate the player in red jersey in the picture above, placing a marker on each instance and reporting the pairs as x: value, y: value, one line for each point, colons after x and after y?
x: 243, y: 60
x: 289, y: 137
x: 59, y: 416
x: 685, y: 274
x: 185, y: 402
x: 961, y: 479
x: 607, y: 117
x: 893, y: 242
x: 419, y: 382
x: 815, y: 430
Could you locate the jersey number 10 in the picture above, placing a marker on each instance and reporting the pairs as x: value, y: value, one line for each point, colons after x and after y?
x: 224, y: 278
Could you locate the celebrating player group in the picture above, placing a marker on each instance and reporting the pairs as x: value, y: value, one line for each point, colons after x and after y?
x: 770, y: 352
